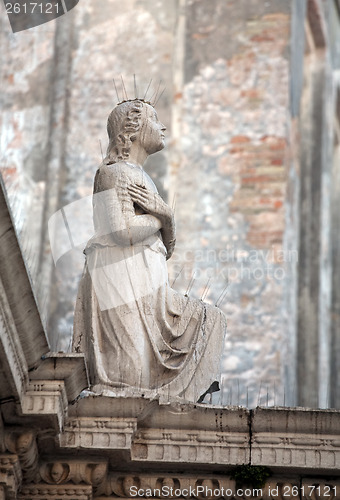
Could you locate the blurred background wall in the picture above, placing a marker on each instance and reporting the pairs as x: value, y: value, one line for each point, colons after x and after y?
x: 252, y: 110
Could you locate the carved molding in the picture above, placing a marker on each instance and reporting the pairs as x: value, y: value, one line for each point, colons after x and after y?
x: 46, y: 397
x: 98, y: 433
x: 302, y: 438
x: 280, y: 437
x: 24, y: 445
x: 308, y: 451
x: 72, y: 480
x: 10, y: 475
x: 167, y: 445
x: 129, y: 485
x: 172, y: 445
x: 69, y: 367
x: 46, y: 492
x: 76, y: 472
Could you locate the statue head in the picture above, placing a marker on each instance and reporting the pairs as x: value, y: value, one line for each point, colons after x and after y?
x: 57, y: 472
x: 132, y: 121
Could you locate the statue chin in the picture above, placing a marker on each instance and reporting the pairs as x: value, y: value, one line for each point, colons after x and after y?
x: 155, y: 148
x: 139, y: 335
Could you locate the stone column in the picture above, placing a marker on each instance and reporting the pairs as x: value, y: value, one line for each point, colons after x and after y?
x: 334, y: 382
x: 314, y: 238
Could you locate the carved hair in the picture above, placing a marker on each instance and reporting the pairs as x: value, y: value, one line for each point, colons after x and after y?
x: 122, y: 126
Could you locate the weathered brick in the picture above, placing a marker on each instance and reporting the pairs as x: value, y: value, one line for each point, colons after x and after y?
x: 239, y: 139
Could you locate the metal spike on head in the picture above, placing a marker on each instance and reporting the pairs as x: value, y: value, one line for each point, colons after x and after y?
x: 114, y: 83
x: 158, y: 98
x: 155, y: 99
x: 124, y: 89
x: 147, y: 89
x: 101, y: 149
x: 152, y: 101
x: 135, y: 86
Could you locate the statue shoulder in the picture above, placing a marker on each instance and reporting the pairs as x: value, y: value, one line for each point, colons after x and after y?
x: 109, y: 176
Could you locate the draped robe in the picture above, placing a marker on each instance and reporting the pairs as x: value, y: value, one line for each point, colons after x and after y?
x: 137, y: 332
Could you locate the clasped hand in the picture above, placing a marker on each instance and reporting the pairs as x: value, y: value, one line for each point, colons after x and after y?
x: 152, y: 203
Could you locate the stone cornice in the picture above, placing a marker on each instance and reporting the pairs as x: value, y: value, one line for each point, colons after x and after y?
x: 299, y: 438
x: 13, y: 361
x: 17, y: 290
x: 192, y: 433
x: 68, y: 367
x: 98, y: 433
x: 46, y: 398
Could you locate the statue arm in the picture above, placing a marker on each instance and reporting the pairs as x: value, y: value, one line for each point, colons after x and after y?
x: 126, y: 227
x: 169, y: 238
x: 153, y: 203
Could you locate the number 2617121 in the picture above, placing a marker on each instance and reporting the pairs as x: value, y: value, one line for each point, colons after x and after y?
x: 307, y: 490
x: 34, y: 8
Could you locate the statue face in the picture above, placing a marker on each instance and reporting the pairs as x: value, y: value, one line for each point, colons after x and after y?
x: 151, y: 134
x: 57, y: 472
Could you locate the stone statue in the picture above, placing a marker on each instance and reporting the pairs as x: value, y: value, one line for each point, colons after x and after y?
x: 140, y: 335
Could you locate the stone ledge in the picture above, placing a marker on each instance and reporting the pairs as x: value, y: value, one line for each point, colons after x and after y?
x: 299, y: 438
x: 98, y: 433
x: 193, y: 433
x: 159, y: 432
x: 170, y: 433
x: 71, y: 368
x: 46, y: 398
